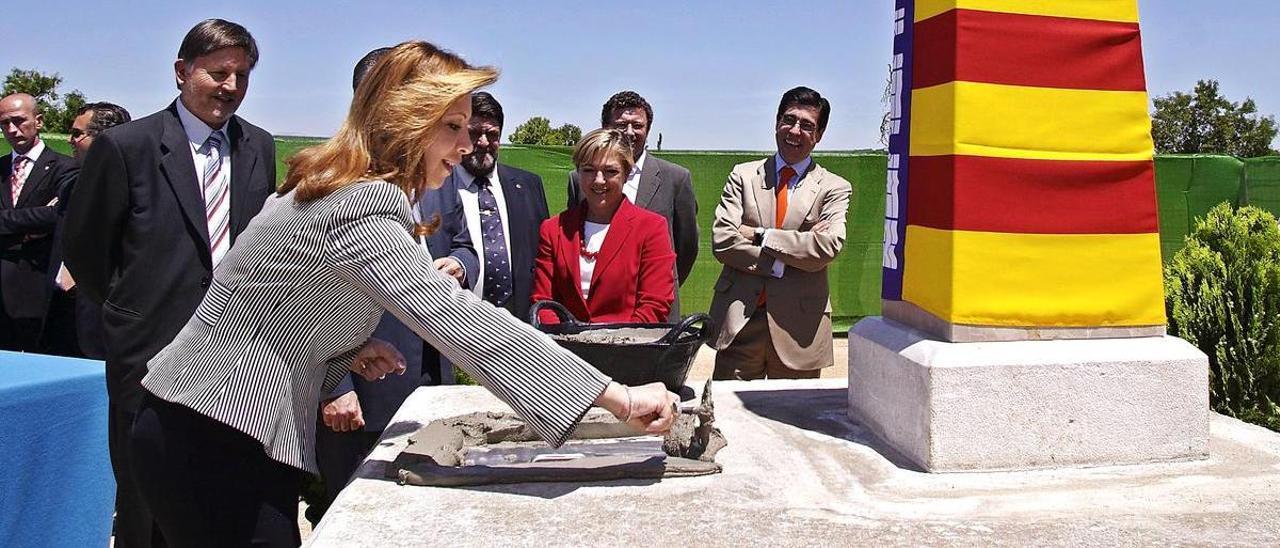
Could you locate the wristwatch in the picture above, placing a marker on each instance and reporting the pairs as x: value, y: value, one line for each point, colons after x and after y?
x: 759, y: 239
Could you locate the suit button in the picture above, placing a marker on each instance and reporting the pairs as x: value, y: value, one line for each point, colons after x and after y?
x: 204, y: 282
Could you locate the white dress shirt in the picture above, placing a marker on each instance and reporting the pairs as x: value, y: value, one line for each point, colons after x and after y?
x: 779, y: 267
x: 197, y: 133
x: 468, y: 192
x: 632, y: 185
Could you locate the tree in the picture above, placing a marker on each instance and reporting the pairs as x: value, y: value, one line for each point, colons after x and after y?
x: 1204, y: 121
x: 58, y: 115
x: 533, y: 132
x: 568, y: 135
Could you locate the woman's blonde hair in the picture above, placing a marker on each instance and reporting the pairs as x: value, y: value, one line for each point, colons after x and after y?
x: 604, y: 140
x: 393, y: 116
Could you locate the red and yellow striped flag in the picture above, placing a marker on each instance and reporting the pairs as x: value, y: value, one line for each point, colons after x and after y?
x: 1031, y: 197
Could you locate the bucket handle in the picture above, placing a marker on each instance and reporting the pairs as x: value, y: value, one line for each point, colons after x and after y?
x: 684, y: 324
x: 559, y: 310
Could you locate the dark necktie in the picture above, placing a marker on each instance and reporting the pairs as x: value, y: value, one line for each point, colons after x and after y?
x: 497, y: 268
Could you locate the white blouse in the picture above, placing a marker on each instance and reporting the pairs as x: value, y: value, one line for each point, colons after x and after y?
x: 593, y: 238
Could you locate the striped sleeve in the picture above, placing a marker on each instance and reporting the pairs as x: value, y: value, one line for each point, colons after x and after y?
x: 370, y: 247
x: 338, y: 367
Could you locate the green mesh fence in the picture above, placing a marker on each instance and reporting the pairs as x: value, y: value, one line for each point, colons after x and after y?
x: 1260, y: 185
x: 1186, y: 187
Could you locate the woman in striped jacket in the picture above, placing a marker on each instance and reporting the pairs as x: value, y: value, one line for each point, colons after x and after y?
x: 230, y: 419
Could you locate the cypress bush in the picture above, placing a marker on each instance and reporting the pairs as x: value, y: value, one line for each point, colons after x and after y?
x: 1222, y: 294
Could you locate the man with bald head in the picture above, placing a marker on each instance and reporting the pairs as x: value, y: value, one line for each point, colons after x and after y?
x: 33, y: 174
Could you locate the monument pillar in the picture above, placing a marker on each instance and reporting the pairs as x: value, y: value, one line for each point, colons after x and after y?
x: 1023, y: 307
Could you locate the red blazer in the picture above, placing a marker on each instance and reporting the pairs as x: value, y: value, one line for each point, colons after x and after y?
x: 634, y: 277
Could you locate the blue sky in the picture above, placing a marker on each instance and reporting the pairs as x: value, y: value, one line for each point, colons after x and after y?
x: 713, y: 71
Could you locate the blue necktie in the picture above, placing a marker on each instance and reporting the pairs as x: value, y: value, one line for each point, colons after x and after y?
x: 497, y: 268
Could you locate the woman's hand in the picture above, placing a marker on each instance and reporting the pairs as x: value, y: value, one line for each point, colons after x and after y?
x: 343, y: 414
x: 649, y: 408
x: 450, y: 267
x: 377, y: 359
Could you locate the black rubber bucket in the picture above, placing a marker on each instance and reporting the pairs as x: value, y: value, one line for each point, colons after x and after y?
x: 631, y: 353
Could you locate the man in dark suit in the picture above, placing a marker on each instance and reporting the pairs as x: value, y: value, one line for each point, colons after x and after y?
x: 73, y: 326
x: 160, y: 201
x: 654, y: 184
x: 354, y: 414
x: 504, y: 206
x: 33, y: 175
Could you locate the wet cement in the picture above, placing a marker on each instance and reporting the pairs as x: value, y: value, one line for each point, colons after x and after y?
x: 444, y: 452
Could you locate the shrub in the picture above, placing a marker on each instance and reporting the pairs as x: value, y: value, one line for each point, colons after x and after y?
x: 1222, y: 294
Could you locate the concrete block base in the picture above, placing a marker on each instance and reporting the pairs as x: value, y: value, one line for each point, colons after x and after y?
x: 952, y: 407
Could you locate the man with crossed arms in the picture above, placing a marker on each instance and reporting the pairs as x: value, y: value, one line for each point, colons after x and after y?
x: 780, y: 222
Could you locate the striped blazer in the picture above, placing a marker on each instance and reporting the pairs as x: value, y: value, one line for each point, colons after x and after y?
x: 300, y: 292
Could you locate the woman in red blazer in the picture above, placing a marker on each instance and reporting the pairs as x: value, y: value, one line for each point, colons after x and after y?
x: 606, y: 260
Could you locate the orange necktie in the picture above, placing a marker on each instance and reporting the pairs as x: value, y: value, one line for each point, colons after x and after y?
x: 780, y: 204
x: 779, y: 207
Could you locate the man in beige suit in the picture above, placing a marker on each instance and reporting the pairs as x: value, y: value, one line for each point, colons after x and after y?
x: 779, y: 224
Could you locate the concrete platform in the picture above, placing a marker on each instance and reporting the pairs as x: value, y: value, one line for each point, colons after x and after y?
x: 799, y: 472
x: 1019, y: 405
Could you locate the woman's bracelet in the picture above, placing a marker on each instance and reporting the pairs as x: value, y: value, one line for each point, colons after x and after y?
x: 627, y: 389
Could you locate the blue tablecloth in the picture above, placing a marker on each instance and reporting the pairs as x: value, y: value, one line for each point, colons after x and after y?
x: 56, y: 487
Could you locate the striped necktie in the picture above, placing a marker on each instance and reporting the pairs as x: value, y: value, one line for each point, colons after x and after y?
x: 217, y: 198
x: 17, y: 178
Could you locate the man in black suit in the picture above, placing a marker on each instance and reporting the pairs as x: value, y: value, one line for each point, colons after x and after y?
x: 33, y: 175
x: 505, y: 208
x: 654, y: 184
x: 353, y: 416
x: 73, y: 326
x: 159, y: 203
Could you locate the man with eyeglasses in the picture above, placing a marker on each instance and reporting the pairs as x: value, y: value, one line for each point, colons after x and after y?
x: 779, y: 223
x: 33, y: 175
x: 90, y: 120
x: 73, y: 327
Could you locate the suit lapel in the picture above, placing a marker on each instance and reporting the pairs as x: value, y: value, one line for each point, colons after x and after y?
x: 802, y: 196
x: 523, y: 237
x: 619, y: 231
x: 764, y: 192
x: 650, y: 180
x: 180, y: 172
x: 244, y: 158
x: 512, y: 194
x: 37, y: 178
x: 570, y: 249
x: 6, y: 194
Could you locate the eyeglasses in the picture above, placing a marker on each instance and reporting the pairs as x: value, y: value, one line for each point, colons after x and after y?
x: 76, y: 134
x: 790, y: 120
